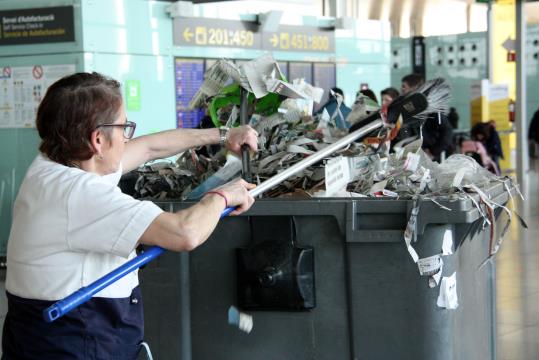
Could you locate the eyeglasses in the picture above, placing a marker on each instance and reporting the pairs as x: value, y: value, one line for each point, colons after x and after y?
x: 129, y: 128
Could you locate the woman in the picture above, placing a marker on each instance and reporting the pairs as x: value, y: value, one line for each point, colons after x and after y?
x: 72, y: 225
x: 388, y: 95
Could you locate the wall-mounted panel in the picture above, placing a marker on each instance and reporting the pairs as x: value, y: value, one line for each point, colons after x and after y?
x: 45, y: 44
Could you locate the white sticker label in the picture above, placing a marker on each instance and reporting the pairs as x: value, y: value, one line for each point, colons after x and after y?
x: 448, y: 292
x: 447, y: 244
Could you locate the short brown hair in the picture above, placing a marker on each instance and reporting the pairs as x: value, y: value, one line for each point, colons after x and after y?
x: 413, y: 80
x: 391, y: 92
x: 71, y: 110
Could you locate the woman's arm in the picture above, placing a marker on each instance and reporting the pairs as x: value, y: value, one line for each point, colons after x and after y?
x: 189, y: 228
x: 171, y: 142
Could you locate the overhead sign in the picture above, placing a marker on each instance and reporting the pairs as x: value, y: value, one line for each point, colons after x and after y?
x: 216, y: 33
x: 36, y: 26
x: 244, y: 34
x: 299, y: 38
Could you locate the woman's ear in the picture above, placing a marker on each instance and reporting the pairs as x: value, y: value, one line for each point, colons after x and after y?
x: 96, y: 142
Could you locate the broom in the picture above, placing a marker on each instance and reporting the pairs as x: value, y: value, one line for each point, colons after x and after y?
x: 432, y: 97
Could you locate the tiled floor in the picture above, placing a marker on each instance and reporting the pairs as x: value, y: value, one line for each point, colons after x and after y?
x: 517, y: 285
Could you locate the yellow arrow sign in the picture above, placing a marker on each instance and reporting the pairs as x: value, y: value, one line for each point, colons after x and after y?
x: 274, y: 40
x: 187, y: 34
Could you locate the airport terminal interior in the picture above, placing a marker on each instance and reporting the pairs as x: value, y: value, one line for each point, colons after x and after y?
x: 269, y: 180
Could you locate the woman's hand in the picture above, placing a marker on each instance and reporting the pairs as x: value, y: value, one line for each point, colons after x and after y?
x: 243, y: 135
x: 237, y: 195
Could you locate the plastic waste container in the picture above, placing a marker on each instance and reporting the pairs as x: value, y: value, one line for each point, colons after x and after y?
x: 369, y: 300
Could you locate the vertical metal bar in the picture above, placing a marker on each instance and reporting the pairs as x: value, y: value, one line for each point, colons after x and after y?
x: 490, y: 25
x: 185, y: 307
x: 520, y: 114
x: 244, y: 120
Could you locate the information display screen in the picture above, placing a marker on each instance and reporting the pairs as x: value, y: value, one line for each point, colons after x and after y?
x: 325, y: 78
x: 283, y: 66
x: 189, y: 75
x: 300, y: 70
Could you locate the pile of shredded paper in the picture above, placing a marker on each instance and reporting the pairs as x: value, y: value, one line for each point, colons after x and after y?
x: 282, y: 114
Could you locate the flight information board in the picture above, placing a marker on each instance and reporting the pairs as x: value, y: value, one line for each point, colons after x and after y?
x: 283, y: 66
x: 189, y: 75
x: 325, y: 78
x: 300, y: 70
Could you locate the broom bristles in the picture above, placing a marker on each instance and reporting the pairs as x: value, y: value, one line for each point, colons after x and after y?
x: 438, y: 94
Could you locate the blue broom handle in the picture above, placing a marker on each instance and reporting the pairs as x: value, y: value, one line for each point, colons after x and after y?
x: 79, y: 297
x: 84, y: 294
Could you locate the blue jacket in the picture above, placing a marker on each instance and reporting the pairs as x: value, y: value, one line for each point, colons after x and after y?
x: 331, y: 106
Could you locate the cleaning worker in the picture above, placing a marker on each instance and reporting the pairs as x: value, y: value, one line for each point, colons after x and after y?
x: 72, y: 225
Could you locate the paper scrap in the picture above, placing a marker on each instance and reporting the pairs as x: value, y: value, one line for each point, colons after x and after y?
x: 410, y: 231
x: 412, y: 162
x: 457, y: 180
x: 337, y: 175
x: 448, y: 292
x: 390, y: 193
x: 430, y: 265
x: 434, y: 280
x: 378, y: 187
x: 447, y: 243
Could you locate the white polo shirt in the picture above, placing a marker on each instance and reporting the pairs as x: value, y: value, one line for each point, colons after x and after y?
x: 70, y: 227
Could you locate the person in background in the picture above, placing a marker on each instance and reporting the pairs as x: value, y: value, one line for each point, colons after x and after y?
x: 476, y: 150
x: 436, y: 130
x: 388, y: 95
x: 72, y: 224
x: 453, y: 118
x: 331, y: 107
x: 494, y: 143
x: 486, y: 134
x: 533, y: 134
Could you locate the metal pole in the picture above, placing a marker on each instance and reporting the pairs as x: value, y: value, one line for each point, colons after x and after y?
x: 520, y: 106
x: 490, y: 26
x: 185, y: 307
x: 317, y: 156
x: 244, y: 120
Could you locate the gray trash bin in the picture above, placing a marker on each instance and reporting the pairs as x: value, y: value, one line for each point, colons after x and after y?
x: 371, y: 302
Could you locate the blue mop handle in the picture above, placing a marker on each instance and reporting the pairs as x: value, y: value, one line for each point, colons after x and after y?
x: 79, y: 297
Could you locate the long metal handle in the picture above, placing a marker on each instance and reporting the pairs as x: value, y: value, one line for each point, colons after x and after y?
x: 317, y: 156
x: 84, y: 294
x: 246, y: 172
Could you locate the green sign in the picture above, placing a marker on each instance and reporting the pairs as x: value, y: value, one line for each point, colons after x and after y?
x: 132, y: 95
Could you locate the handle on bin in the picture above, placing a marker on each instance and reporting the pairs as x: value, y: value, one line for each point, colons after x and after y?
x: 84, y: 294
